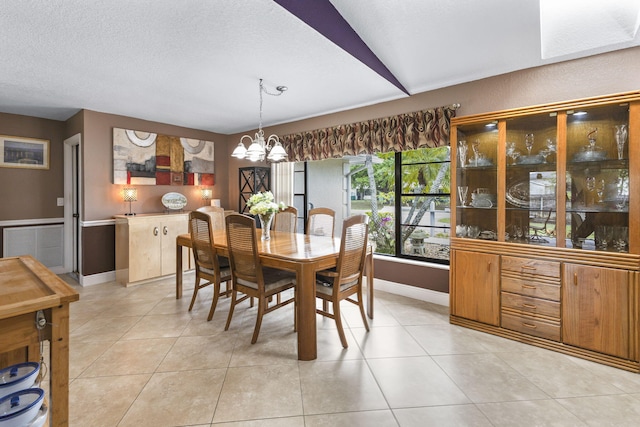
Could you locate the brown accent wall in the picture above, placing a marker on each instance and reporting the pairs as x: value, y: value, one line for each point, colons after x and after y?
x: 103, y: 199
x: 99, y: 249
x: 31, y: 193
x: 435, y: 279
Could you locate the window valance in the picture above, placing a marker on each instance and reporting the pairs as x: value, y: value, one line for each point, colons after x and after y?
x: 410, y: 131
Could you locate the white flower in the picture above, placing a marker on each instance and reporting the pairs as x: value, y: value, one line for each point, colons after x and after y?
x: 263, y: 204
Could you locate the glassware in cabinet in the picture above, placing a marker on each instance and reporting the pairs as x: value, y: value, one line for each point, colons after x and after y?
x: 531, y: 179
x: 476, y: 181
x: 597, y: 178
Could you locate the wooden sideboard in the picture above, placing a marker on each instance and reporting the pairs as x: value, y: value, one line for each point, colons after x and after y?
x: 27, y: 288
x: 145, y: 245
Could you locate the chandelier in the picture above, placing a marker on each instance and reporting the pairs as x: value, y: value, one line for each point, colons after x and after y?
x: 258, y: 147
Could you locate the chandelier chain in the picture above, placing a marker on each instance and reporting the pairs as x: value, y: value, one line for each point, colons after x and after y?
x: 262, y: 89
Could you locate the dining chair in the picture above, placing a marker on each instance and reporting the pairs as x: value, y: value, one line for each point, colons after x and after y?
x: 321, y: 222
x: 217, y: 223
x: 217, y: 216
x: 286, y: 220
x: 249, y: 276
x: 345, y: 280
x: 207, y: 263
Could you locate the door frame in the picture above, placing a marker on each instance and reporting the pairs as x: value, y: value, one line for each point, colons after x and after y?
x: 71, y: 240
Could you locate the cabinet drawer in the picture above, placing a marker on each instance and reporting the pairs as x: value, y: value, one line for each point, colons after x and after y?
x: 531, y: 305
x: 531, y: 266
x: 531, y: 288
x: 531, y: 326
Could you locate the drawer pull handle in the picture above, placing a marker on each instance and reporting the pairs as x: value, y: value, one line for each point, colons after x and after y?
x: 528, y: 267
x: 529, y: 325
x: 532, y: 306
x: 155, y: 231
x: 575, y: 279
x: 489, y: 267
x: 529, y: 287
x: 165, y: 230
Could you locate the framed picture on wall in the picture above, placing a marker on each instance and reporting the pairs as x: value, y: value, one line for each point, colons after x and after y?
x: 24, y: 153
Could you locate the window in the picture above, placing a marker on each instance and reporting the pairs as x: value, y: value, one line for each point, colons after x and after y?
x: 409, y: 192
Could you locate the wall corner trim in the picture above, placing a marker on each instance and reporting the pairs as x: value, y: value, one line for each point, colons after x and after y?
x: 34, y: 221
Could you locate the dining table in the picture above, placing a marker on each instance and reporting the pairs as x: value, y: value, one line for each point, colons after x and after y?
x: 301, y: 253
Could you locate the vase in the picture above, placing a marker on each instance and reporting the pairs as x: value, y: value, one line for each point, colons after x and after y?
x: 265, y: 225
x: 621, y: 138
x: 462, y: 153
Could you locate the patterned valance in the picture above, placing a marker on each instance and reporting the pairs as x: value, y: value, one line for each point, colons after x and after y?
x: 420, y: 129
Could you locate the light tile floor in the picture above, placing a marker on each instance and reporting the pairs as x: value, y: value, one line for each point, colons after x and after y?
x: 139, y: 358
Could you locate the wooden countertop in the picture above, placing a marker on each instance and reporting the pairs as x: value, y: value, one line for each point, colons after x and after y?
x: 27, y: 286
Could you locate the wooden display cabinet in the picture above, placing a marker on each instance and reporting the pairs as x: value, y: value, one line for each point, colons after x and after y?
x: 552, y: 201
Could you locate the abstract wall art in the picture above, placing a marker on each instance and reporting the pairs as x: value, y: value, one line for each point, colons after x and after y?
x: 144, y: 158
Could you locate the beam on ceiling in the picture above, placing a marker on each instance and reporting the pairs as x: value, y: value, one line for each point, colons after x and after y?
x: 322, y: 16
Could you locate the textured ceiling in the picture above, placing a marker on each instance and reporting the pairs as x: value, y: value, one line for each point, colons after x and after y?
x: 196, y: 63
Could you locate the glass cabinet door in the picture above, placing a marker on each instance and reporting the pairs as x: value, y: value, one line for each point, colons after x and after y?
x: 597, y: 178
x: 476, y: 181
x: 530, y: 191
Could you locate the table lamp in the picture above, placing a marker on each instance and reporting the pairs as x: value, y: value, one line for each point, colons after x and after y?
x: 130, y: 194
x: 206, y: 194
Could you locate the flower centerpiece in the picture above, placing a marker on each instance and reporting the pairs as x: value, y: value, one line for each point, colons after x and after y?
x: 263, y: 205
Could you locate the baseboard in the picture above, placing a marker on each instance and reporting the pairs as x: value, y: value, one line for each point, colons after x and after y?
x: 428, y: 295
x: 94, y: 279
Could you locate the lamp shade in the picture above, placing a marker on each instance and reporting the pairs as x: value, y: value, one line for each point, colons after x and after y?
x: 256, y: 150
x: 206, y: 193
x: 130, y: 194
x: 277, y: 153
x: 240, y: 151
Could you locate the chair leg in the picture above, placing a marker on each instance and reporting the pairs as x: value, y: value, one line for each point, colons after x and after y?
x: 338, y: 318
x: 227, y: 287
x: 262, y: 302
x: 216, y: 294
x: 196, y: 287
x: 234, y: 294
x: 361, y: 306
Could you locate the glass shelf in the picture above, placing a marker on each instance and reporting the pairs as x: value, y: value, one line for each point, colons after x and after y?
x: 589, y: 146
x: 530, y: 197
x: 477, y: 184
x: 597, y: 213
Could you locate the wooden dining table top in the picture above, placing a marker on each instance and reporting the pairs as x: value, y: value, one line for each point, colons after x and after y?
x: 282, y: 245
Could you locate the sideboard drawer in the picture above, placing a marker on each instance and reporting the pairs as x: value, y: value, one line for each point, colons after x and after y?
x: 531, y: 326
x: 531, y: 305
x: 531, y: 288
x: 550, y: 269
